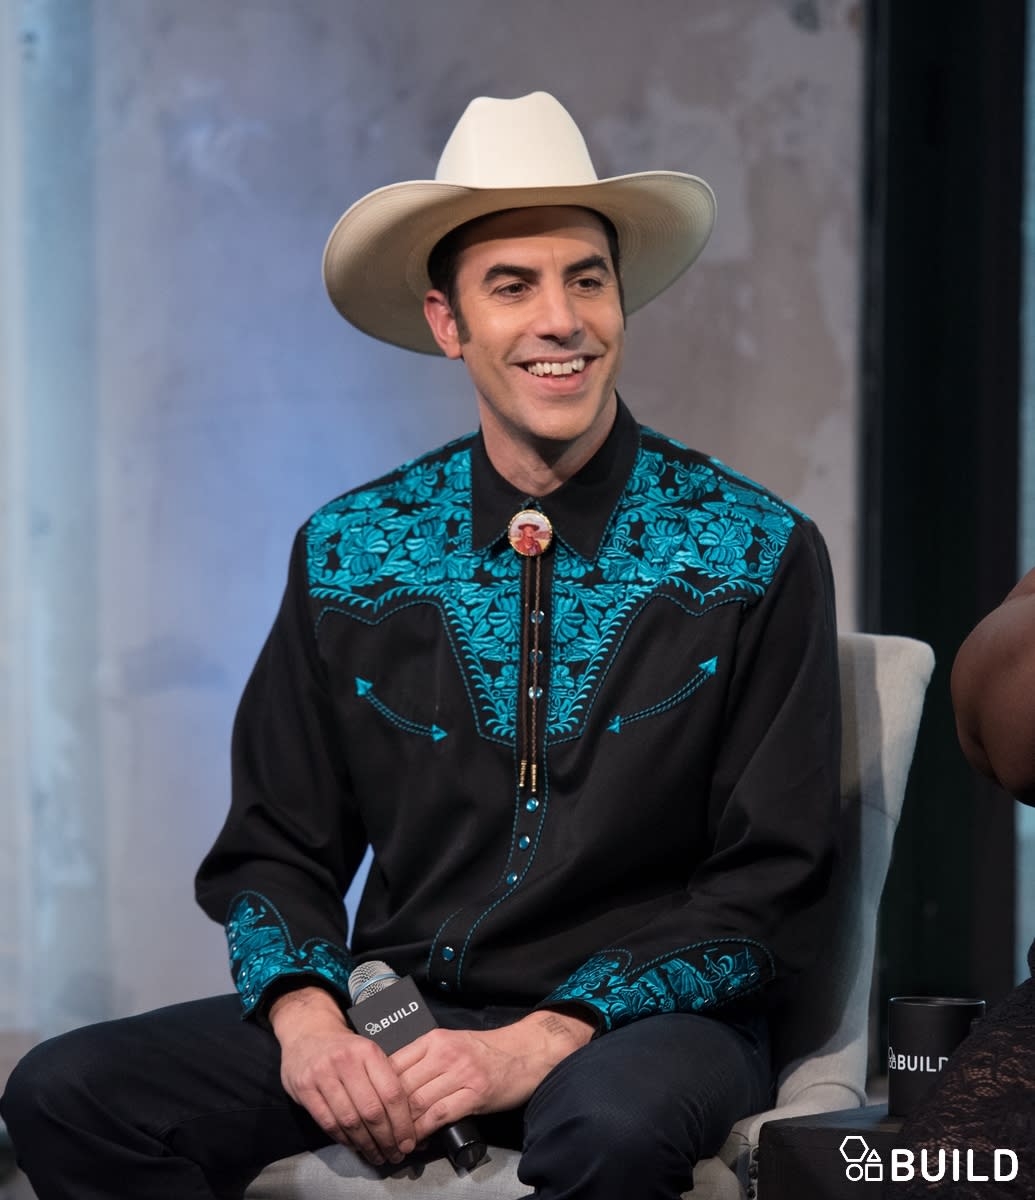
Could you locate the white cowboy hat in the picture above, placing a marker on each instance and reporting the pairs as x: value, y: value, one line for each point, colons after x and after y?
x: 503, y: 154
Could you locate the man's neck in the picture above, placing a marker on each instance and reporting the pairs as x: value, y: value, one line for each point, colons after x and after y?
x: 539, y: 467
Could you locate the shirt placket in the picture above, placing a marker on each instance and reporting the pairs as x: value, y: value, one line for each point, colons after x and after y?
x: 450, y: 950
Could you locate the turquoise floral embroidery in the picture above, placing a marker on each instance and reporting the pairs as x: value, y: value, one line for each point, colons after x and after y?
x: 722, y: 971
x: 261, y: 950
x: 704, y: 535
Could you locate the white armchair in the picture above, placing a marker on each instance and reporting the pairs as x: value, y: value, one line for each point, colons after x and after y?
x: 819, y: 1043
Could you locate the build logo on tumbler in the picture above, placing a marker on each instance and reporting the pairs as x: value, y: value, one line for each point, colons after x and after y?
x: 865, y: 1165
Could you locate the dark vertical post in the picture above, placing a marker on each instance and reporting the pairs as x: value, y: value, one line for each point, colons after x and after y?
x: 941, y: 393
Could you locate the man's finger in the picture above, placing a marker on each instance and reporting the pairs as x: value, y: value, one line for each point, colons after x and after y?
x: 389, y: 1088
x: 318, y: 1108
x: 409, y: 1055
x: 445, y: 1111
x: 360, y: 1120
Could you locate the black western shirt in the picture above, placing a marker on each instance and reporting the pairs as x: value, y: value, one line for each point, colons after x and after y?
x: 605, y: 776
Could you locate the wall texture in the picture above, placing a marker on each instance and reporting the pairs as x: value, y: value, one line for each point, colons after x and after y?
x: 15, y: 930
x: 187, y: 395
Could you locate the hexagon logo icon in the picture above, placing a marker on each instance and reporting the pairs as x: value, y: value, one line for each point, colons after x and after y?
x: 864, y: 1164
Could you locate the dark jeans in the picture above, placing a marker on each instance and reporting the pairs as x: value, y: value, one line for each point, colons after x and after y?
x: 185, y: 1103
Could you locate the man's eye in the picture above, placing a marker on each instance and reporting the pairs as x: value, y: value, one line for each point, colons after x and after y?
x: 516, y: 288
x: 588, y: 283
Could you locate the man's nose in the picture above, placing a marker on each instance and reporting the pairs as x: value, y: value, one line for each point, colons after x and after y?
x: 556, y: 316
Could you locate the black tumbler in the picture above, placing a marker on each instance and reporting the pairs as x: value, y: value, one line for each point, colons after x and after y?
x: 923, y: 1031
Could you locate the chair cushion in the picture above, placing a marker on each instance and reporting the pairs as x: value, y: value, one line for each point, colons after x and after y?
x: 337, y: 1174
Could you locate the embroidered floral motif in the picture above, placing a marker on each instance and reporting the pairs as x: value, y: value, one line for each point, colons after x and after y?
x: 261, y: 950
x: 722, y: 971
x: 687, y: 526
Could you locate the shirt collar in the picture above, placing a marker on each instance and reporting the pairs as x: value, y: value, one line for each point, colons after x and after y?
x: 579, y: 509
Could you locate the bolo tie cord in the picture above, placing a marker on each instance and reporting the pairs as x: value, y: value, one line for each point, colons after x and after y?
x: 530, y: 534
x: 523, y: 674
x: 532, y: 582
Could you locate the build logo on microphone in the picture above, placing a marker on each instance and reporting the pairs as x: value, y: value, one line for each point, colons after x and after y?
x: 865, y: 1165
x: 400, y: 1014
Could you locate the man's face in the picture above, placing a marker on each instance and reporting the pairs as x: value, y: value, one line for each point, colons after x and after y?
x: 542, y: 327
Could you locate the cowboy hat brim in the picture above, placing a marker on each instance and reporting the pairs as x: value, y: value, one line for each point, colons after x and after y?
x: 375, y: 260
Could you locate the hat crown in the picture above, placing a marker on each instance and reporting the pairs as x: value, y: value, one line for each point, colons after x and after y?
x: 530, y: 142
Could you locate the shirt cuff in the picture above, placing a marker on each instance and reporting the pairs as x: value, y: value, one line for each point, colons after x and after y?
x: 692, y: 979
x: 262, y: 953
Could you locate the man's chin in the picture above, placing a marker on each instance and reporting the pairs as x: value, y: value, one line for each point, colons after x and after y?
x: 555, y: 432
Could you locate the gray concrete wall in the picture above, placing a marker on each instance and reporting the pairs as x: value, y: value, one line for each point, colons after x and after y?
x: 188, y: 395
x: 16, y: 929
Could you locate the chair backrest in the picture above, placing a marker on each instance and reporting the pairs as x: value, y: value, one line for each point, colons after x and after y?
x: 821, y: 1037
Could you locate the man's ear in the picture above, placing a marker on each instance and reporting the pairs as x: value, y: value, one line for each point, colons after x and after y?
x: 442, y: 323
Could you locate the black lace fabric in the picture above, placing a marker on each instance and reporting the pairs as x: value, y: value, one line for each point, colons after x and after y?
x: 985, y: 1100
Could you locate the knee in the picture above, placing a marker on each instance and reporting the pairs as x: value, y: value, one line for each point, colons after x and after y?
x: 615, y: 1128
x: 29, y: 1085
x: 621, y: 1138
x: 49, y: 1078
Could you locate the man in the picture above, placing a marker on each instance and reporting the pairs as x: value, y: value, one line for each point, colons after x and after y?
x: 599, y: 776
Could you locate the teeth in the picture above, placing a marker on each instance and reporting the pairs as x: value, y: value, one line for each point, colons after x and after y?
x: 573, y: 366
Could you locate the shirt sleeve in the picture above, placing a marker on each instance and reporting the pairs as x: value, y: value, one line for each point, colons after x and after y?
x: 279, y: 869
x: 752, y: 912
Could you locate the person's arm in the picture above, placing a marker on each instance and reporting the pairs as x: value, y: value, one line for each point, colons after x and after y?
x: 277, y: 875
x: 993, y: 693
x: 279, y: 869
x: 753, y: 910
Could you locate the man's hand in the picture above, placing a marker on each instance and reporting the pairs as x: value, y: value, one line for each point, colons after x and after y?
x: 451, y: 1074
x: 344, y: 1081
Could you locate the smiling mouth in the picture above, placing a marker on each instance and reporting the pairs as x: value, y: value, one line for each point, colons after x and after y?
x: 572, y: 367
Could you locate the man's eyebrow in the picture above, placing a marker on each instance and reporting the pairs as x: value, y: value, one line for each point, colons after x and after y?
x: 500, y: 270
x: 592, y: 262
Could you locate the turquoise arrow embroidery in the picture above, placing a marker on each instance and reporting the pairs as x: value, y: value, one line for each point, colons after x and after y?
x: 707, y: 670
x: 365, y: 690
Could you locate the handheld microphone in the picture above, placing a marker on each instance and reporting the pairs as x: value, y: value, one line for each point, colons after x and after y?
x: 395, y: 1019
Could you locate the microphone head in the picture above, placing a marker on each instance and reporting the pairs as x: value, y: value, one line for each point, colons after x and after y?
x: 370, y: 978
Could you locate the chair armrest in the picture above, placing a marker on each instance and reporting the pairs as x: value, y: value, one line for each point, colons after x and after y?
x: 742, y: 1143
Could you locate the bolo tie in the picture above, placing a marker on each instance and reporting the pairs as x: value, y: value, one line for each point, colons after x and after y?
x: 530, y: 535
